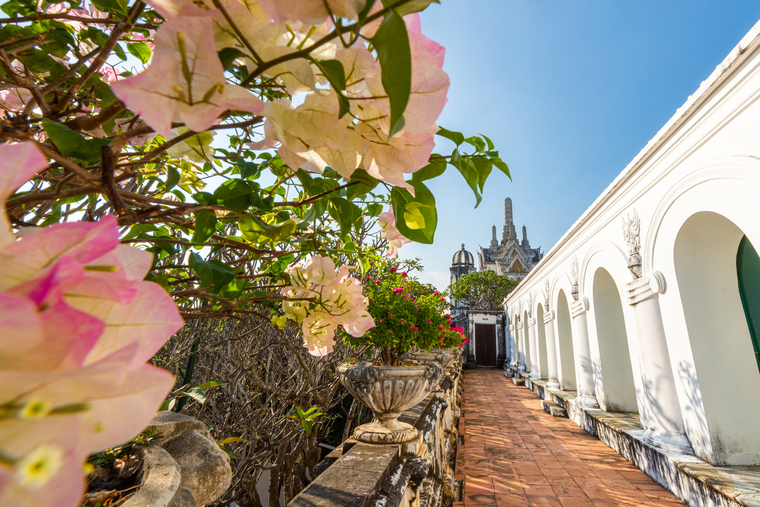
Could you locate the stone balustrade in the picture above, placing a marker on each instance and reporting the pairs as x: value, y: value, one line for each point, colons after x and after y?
x: 412, y: 474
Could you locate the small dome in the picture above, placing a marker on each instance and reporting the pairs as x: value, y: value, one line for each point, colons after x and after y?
x: 463, y: 258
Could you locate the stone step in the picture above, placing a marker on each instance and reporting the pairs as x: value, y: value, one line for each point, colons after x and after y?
x: 518, y: 381
x: 552, y: 408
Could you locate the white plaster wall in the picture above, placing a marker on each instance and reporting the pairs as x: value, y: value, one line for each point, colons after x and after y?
x: 706, y: 158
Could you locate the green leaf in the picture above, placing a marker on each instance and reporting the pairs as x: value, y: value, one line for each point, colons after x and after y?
x: 490, y: 143
x: 233, y: 289
x: 248, y: 170
x: 229, y: 440
x: 205, y: 225
x: 229, y: 55
x: 119, y: 6
x: 465, y: 166
x: 172, y: 178
x: 120, y: 52
x: 457, y: 137
x: 410, y: 7
x: 213, y: 383
x: 343, y: 213
x: 213, y: 274
x: 234, y: 194
x: 307, y: 426
x: 141, y: 51
x: 168, y: 405
x: 195, y: 393
x: 434, y: 169
x: 502, y: 166
x: 413, y: 215
x: 477, y: 142
x: 73, y: 144
x: 335, y: 73
x: 392, y: 44
x: 366, y: 184
x: 422, y: 203
x: 484, y: 167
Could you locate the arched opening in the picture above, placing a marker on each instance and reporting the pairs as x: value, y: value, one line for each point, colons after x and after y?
x: 541, y: 334
x: 708, y: 258
x: 565, y: 354
x: 526, y: 341
x: 616, y: 372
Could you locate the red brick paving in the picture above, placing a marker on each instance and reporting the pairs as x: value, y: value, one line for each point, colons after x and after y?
x: 515, y: 454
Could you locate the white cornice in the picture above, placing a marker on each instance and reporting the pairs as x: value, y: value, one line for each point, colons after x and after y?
x: 740, y: 54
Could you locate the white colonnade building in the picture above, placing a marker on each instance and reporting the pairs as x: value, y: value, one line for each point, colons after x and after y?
x: 650, y: 304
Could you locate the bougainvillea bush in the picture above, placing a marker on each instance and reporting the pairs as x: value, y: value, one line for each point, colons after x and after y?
x: 407, y: 314
x: 229, y: 141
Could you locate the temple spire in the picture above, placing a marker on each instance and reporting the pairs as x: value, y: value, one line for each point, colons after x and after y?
x: 507, y: 211
x: 494, y: 241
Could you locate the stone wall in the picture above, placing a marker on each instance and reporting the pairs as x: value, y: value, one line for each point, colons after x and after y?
x: 414, y: 474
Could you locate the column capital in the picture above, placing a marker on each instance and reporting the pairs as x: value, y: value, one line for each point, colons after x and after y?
x: 579, y: 307
x: 646, y: 287
x: 518, y: 325
x: 548, y: 316
x: 531, y: 321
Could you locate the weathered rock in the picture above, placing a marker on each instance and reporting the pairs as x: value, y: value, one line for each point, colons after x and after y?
x: 160, y: 480
x: 206, y: 471
x: 183, y: 498
x: 171, y: 424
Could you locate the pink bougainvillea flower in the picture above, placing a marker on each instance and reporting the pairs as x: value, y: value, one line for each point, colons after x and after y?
x: 389, y: 159
x: 312, y: 12
x: 430, y: 84
x: 14, y: 99
x: 185, y: 81
x: 20, y: 162
x: 387, y: 223
x: 78, y: 324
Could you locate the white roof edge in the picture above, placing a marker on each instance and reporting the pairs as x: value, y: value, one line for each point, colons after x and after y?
x: 682, y: 114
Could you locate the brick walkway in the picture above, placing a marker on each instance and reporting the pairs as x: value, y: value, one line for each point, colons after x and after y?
x: 515, y: 454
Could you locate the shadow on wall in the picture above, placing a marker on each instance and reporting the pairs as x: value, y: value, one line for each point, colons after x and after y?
x: 694, y: 422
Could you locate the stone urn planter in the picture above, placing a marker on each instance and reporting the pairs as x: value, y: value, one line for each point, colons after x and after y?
x: 388, y: 391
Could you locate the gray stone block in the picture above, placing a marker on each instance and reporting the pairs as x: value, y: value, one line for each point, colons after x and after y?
x: 206, y: 471
x: 552, y: 408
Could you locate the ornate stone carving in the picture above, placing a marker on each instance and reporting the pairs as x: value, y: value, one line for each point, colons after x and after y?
x: 388, y: 391
x: 530, y: 305
x: 575, y: 292
x: 546, y: 293
x: 631, y: 231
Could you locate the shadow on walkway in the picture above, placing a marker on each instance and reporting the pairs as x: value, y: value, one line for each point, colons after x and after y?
x: 515, y: 454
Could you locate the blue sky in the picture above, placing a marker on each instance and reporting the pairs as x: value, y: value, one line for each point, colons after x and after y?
x: 569, y: 91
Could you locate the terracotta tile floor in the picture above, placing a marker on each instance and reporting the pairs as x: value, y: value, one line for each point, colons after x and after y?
x: 515, y: 454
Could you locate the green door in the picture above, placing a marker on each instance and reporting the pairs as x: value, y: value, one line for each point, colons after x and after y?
x: 748, y: 272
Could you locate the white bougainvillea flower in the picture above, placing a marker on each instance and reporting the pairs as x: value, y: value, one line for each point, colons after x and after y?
x: 185, y: 81
x: 389, y: 159
x: 312, y: 12
x: 387, y: 223
x: 321, y: 299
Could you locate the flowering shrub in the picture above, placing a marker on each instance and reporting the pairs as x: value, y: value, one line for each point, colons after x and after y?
x: 407, y: 314
x: 321, y: 299
x: 78, y: 325
x: 247, y: 134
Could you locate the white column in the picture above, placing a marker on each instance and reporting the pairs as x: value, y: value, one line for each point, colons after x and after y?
x: 661, y: 416
x: 510, y: 338
x: 583, y: 368
x: 535, y: 367
x: 551, y: 350
x: 521, y: 348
